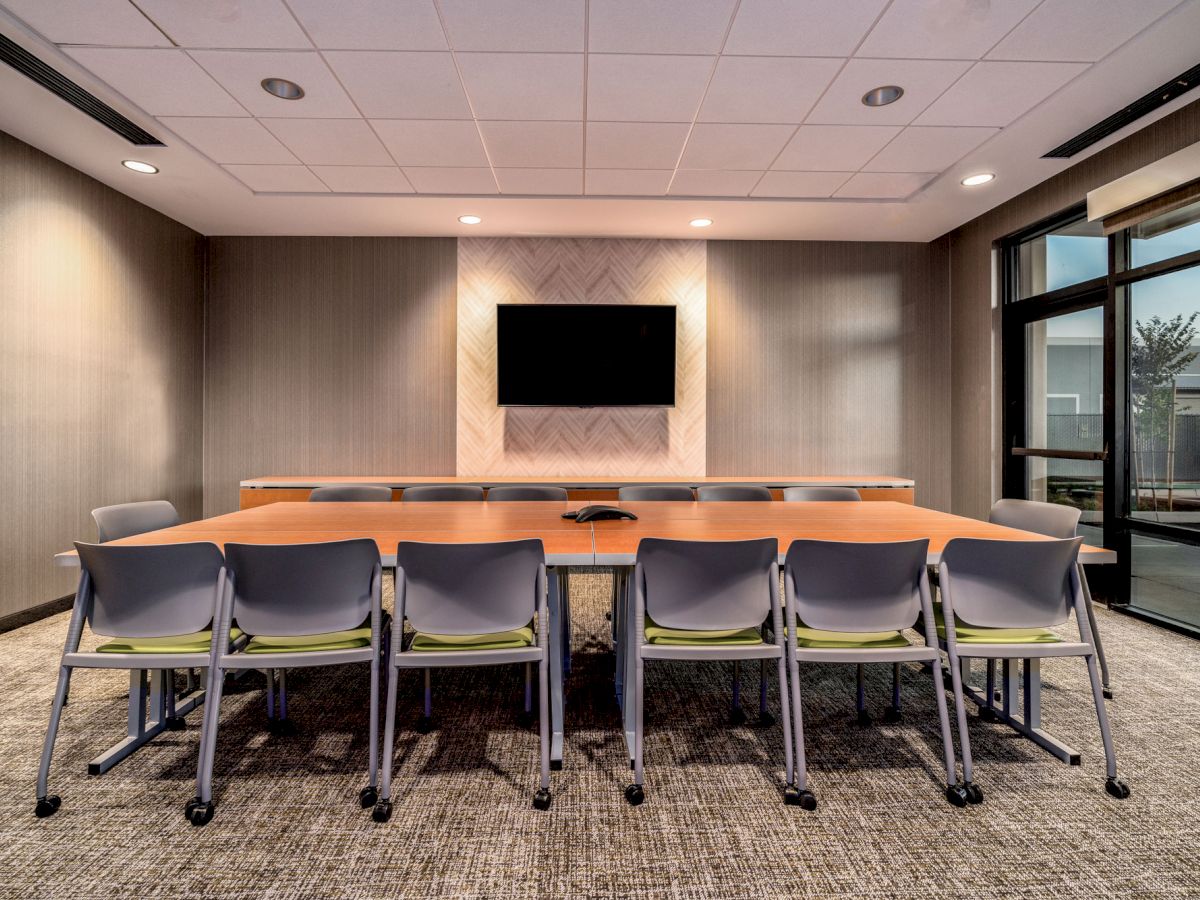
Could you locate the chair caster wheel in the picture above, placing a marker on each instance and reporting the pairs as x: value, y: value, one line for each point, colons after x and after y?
x: 1116, y: 788
x: 281, y: 727
x: 367, y: 797
x: 974, y: 792
x: 541, y: 800
x: 892, y: 715
x: 199, y: 813
x: 608, y: 617
x: 382, y: 811
x: 863, y: 719
x: 956, y: 795
x: 556, y: 765
x: 525, y: 719
x: 793, y: 796
x: 47, y: 806
x: 737, y: 717
x: 987, y: 714
x: 765, y: 719
x: 424, y: 725
x: 634, y: 795
x: 1108, y: 694
x: 176, y: 723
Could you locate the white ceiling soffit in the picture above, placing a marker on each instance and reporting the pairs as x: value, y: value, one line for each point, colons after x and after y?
x: 605, y: 117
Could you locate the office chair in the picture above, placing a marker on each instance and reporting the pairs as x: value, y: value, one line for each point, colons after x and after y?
x: 128, y: 519
x: 516, y: 492
x: 427, y: 493
x: 822, y: 494
x: 351, y: 493
x: 656, y: 492
x: 733, y: 492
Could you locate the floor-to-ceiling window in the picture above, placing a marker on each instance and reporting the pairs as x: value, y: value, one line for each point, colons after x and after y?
x: 1102, y: 395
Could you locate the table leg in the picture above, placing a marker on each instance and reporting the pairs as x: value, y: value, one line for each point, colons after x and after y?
x: 1024, y: 692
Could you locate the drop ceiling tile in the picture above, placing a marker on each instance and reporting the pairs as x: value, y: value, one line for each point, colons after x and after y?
x: 162, y: 82
x: 998, y: 93
x: 928, y: 149
x: 923, y: 82
x: 525, y: 86
x: 230, y: 140
x: 664, y: 26
x: 734, y: 147
x: 452, y: 180
x: 1079, y: 30
x: 919, y: 29
x: 634, y: 145
x: 883, y: 186
x: 834, y: 148
x: 257, y: 24
x: 278, y: 179
x: 330, y: 142
x: 713, y: 184
x: 627, y: 182
x: 800, y: 184
x: 241, y: 73
x: 766, y: 88
x: 522, y: 145
x: 635, y: 88
x: 414, y: 142
x: 371, y: 24
x: 801, y: 27
x: 562, y: 182
x: 364, y: 179
x: 401, y: 85
x: 518, y: 25
x: 100, y: 23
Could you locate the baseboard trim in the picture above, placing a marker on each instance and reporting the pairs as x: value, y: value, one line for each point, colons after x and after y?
x: 35, y: 614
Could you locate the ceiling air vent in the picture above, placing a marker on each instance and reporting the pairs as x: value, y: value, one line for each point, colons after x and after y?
x: 1160, y: 96
x: 57, y: 83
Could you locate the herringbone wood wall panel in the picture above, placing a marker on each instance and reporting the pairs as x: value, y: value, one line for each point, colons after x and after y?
x: 559, y: 441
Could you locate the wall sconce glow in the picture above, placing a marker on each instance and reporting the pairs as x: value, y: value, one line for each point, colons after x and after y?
x: 470, y: 220
x: 700, y: 223
x: 883, y: 95
x: 282, y: 88
x: 138, y: 166
x: 981, y: 178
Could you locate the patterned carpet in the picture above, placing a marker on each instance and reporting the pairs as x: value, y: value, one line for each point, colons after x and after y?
x: 713, y: 825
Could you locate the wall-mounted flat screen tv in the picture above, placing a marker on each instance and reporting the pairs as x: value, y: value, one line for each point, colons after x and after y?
x: 560, y: 354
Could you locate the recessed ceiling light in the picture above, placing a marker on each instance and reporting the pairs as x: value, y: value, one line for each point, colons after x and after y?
x: 700, y: 223
x: 981, y: 178
x: 882, y: 96
x: 139, y: 166
x: 470, y: 220
x: 282, y: 88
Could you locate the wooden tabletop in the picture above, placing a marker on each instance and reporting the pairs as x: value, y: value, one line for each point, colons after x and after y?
x: 569, y: 543
x: 616, y: 540
x: 578, y: 481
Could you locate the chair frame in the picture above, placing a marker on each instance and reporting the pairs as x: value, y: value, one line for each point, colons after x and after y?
x: 199, y: 810
x: 638, y: 651
x: 956, y: 793
x: 399, y: 658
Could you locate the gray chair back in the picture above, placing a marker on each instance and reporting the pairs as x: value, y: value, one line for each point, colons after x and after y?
x: 708, y: 492
x: 154, y: 591
x: 1010, y: 584
x: 820, y: 494
x: 509, y: 492
x: 351, y: 493
x: 708, y: 585
x: 426, y: 493
x: 296, y: 589
x: 680, y: 492
x: 128, y: 519
x: 853, y: 586
x: 1051, y: 519
x: 469, y: 588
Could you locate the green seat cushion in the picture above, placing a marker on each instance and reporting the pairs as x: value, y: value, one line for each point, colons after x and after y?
x: 196, y: 642
x: 972, y: 634
x: 815, y: 639
x: 424, y: 642
x: 681, y: 637
x: 307, y: 643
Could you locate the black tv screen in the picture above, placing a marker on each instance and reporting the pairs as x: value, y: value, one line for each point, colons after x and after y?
x: 559, y: 354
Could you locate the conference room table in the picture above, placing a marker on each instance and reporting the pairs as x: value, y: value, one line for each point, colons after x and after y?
x: 570, y: 545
